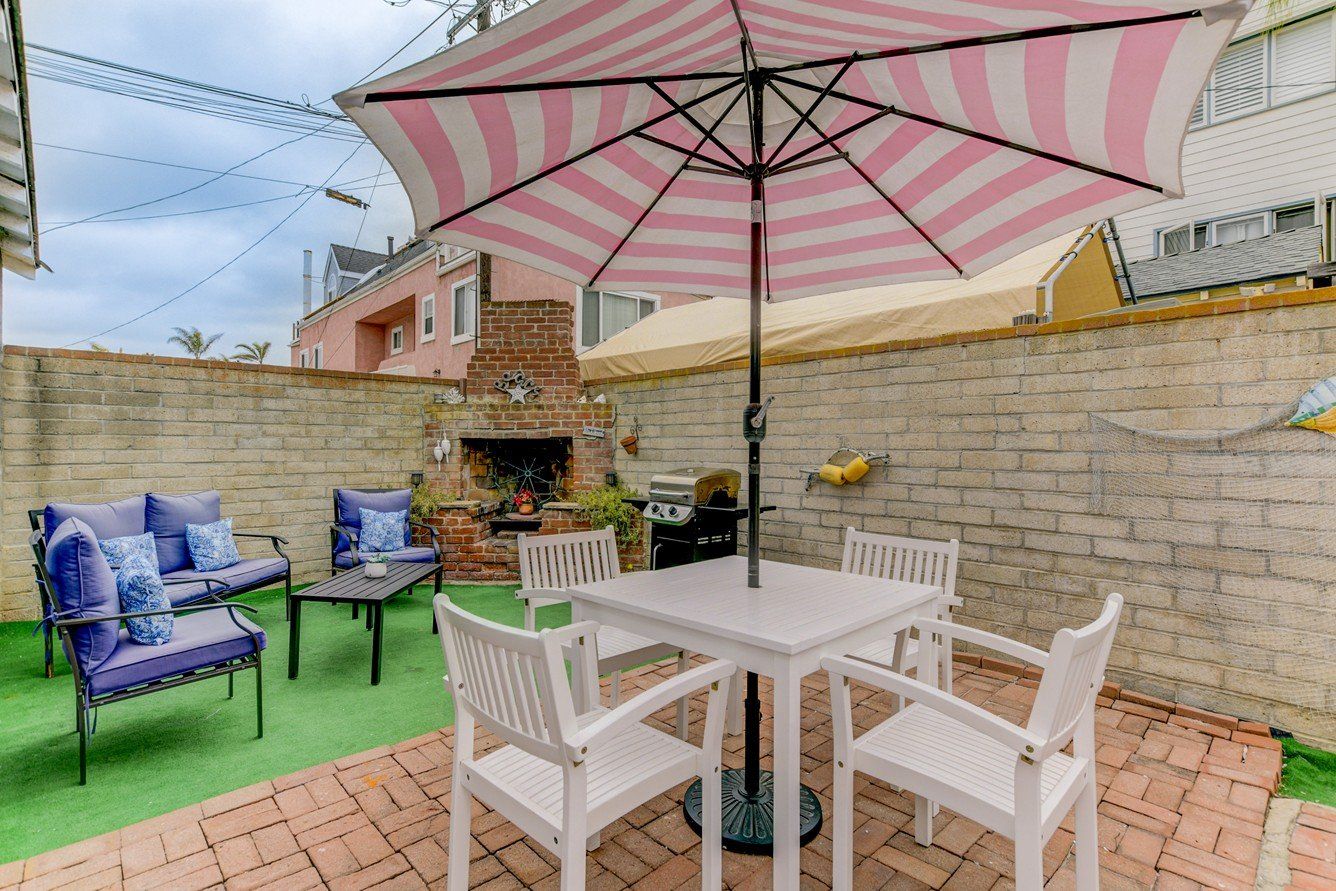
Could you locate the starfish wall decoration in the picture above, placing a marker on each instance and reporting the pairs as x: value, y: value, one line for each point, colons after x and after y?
x: 518, y: 386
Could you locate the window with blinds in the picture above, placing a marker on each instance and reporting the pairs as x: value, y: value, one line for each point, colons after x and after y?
x: 1302, y: 63
x: 1289, y: 63
x: 1238, y: 85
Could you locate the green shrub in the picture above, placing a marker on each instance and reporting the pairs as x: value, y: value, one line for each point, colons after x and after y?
x: 604, y: 507
x: 427, y: 499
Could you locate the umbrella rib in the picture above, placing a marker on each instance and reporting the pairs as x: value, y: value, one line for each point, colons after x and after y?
x: 561, y: 165
x: 883, y: 110
x: 831, y: 140
x: 748, y: 48
x: 988, y: 40
x: 811, y: 109
x: 692, y: 155
x: 708, y: 133
x: 539, y: 86
x: 668, y: 185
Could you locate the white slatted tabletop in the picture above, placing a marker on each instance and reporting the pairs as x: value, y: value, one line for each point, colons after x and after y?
x: 781, y: 630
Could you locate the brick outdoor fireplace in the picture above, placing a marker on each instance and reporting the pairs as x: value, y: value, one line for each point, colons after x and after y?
x: 520, y: 420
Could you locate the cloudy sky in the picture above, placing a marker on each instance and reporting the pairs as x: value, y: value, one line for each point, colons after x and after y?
x: 105, y: 273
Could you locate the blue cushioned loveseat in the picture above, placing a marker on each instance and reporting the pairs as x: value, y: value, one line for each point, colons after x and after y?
x: 166, y: 517
x: 210, y: 638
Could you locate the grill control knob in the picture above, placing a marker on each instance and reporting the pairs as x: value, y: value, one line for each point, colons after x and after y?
x: 672, y: 511
x: 654, y: 509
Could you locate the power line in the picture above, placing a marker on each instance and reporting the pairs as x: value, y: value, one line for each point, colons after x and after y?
x: 186, y: 213
x: 193, y: 188
x: 62, y: 66
x: 225, y: 266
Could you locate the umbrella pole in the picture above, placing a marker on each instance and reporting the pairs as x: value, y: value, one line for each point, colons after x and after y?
x: 748, y: 806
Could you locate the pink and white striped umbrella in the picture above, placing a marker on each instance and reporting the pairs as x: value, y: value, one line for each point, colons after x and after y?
x: 610, y: 142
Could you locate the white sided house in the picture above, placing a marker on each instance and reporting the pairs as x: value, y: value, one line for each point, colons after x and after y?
x: 1259, y: 165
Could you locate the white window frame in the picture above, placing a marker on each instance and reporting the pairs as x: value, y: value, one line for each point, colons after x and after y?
x: 318, y: 355
x: 396, y: 334
x: 428, y: 314
x: 580, y: 347
x: 455, y: 288
x: 1270, y: 90
x: 1213, y: 228
x: 303, y: 359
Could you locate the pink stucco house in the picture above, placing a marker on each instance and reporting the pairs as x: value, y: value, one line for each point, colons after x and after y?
x: 416, y: 312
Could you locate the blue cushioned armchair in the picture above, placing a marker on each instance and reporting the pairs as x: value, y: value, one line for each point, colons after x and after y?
x: 346, y: 529
x: 209, y: 639
x: 166, y: 517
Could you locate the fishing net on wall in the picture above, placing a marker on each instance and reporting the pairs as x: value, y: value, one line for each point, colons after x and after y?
x: 1235, y: 532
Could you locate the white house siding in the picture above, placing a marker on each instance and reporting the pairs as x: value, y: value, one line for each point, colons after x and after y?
x: 1283, y: 155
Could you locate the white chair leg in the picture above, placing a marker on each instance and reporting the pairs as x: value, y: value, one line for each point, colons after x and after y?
x: 461, y: 819
x: 573, y: 842
x: 1029, y: 859
x: 616, y: 691
x: 922, y: 820
x: 842, y: 828
x: 734, y: 724
x: 898, y: 663
x: 711, y: 836
x: 948, y: 668
x: 683, y: 663
x: 1087, y: 837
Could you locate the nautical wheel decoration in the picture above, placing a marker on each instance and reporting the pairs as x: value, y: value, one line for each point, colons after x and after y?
x: 518, y: 386
x: 538, y: 468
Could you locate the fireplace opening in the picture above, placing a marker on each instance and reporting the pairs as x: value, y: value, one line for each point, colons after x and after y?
x: 500, y: 468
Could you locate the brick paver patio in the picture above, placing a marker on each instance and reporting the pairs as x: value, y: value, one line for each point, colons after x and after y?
x: 1184, y: 795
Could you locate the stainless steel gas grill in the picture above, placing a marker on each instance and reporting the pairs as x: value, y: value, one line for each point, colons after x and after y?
x: 693, y: 514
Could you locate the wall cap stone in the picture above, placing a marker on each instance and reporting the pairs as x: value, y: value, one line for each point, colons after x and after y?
x: 143, y: 359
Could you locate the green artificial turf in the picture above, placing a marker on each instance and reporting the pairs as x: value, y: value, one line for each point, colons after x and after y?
x: 1309, y: 773
x: 160, y: 752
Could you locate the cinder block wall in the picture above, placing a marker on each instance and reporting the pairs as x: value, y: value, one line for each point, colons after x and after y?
x: 83, y: 426
x: 989, y: 441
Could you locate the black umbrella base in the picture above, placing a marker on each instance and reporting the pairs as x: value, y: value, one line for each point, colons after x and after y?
x: 749, y: 821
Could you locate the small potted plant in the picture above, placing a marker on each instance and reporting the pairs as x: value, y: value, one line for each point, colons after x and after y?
x: 524, y: 501
x: 376, y: 566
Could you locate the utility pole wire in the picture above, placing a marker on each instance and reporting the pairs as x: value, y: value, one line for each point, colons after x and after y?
x: 225, y: 266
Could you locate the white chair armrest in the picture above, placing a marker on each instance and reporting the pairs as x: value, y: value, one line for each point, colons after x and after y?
x: 984, y: 639
x: 647, y: 703
x: 950, y: 601
x: 567, y: 633
x: 544, y: 593
x: 1016, y: 738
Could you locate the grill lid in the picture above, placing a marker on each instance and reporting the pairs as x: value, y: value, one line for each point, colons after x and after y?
x: 675, y: 494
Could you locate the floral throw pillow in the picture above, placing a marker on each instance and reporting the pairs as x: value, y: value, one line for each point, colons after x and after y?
x: 211, y: 545
x: 119, y: 550
x: 381, y: 531
x: 140, y: 590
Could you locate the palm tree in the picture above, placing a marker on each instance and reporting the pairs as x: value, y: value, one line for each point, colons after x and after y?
x: 193, y: 341
x: 256, y: 351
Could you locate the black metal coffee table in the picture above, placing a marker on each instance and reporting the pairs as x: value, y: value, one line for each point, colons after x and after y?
x: 356, y: 588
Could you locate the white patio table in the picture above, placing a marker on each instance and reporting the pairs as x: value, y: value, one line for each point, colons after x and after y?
x: 780, y: 630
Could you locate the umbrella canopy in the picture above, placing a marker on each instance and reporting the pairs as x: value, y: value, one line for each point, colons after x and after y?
x: 608, y: 141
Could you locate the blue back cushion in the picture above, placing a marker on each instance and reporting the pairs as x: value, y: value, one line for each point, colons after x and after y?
x: 115, y: 519
x: 140, y: 590
x: 167, y: 516
x: 349, y: 502
x: 84, y: 588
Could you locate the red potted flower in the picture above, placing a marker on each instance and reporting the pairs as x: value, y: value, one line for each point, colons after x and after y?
x: 524, y: 501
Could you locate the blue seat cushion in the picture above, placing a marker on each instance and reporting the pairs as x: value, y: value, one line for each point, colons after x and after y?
x: 199, y: 640
x: 183, y: 594
x: 166, y: 517
x: 348, y: 504
x: 85, y: 587
x: 238, y: 575
x: 404, y: 555
x: 114, y: 519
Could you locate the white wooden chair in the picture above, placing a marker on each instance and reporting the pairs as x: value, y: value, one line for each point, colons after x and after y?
x: 549, y: 564
x: 905, y: 560
x: 1016, y: 781
x: 562, y: 777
